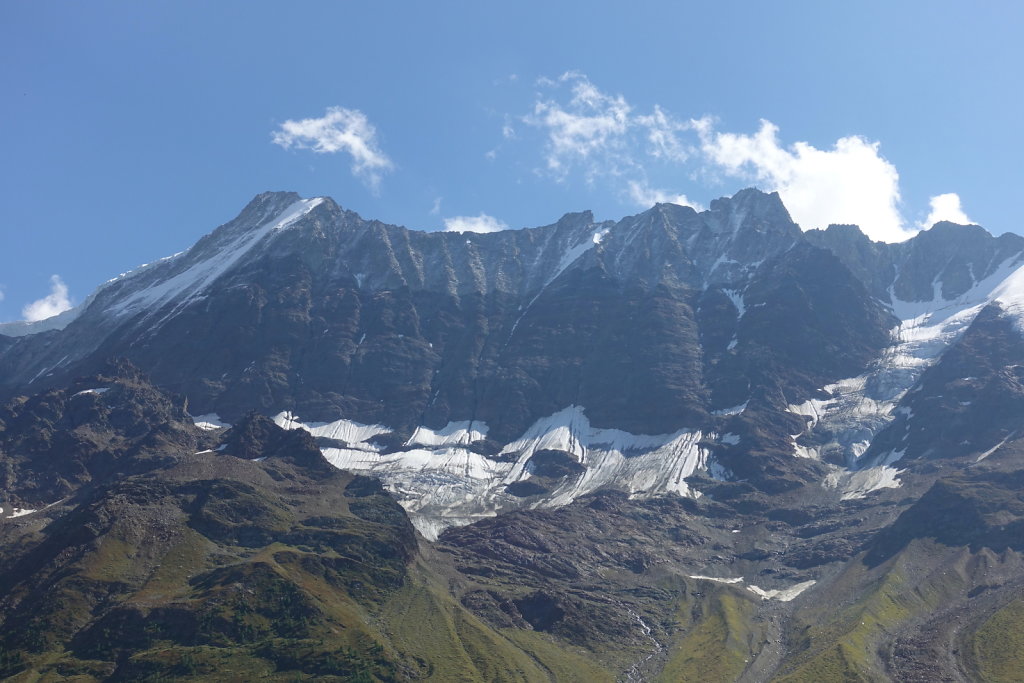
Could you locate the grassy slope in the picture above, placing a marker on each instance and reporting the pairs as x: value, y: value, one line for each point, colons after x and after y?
x: 842, y: 640
x: 998, y: 645
x: 426, y: 624
x: 717, y: 639
x: 271, y: 613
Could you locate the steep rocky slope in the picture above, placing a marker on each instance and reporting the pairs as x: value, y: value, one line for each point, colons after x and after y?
x: 627, y: 346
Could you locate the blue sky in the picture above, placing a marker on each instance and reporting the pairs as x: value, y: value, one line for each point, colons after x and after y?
x: 130, y: 129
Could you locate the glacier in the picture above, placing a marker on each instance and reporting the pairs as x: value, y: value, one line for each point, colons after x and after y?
x: 441, y: 482
x: 850, y: 412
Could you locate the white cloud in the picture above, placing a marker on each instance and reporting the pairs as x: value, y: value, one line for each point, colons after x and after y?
x: 602, y: 136
x: 645, y: 196
x: 339, y: 130
x: 591, y: 123
x: 435, y: 210
x: 946, y: 207
x: 481, y: 223
x: 850, y: 183
x: 55, y: 302
x: 662, y: 136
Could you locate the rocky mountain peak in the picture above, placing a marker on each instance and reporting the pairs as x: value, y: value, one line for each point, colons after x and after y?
x: 750, y: 202
x: 256, y: 437
x: 938, y: 264
x: 576, y: 219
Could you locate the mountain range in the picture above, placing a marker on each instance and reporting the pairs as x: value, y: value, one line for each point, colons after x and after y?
x: 680, y: 446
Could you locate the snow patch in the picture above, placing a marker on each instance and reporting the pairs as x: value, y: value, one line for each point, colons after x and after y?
x: 209, y: 422
x: 1010, y: 296
x: 808, y: 452
x: 97, y: 390
x: 454, y: 433
x: 717, y: 579
x: 735, y: 410
x: 348, y: 431
x: 854, y: 485
x: 718, y: 472
x: 736, y: 297
x: 782, y: 594
x: 996, y: 447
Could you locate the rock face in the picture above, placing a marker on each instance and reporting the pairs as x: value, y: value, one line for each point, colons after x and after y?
x: 639, y: 349
x: 647, y: 326
x: 678, y: 446
x: 298, y: 305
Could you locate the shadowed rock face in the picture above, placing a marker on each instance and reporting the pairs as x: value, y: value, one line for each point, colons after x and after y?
x: 299, y: 305
x: 952, y: 256
x: 660, y: 322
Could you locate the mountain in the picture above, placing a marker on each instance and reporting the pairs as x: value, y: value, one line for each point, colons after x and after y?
x: 677, y: 446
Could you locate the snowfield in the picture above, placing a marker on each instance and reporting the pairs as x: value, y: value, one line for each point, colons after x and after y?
x: 441, y: 482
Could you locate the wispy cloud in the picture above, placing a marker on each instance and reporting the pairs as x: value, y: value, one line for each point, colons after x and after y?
x: 591, y: 127
x: 481, y: 223
x: 435, y: 210
x: 663, y: 136
x: 55, y: 302
x: 946, y: 207
x: 599, y: 132
x: 644, y: 196
x: 602, y: 137
x: 605, y: 138
x: 339, y: 130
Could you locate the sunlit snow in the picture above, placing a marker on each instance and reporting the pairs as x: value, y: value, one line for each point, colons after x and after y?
x: 209, y: 422
x: 454, y: 433
x: 782, y: 595
x: 856, y: 484
x: 441, y: 482
x: 855, y: 409
x: 98, y: 390
x: 191, y: 282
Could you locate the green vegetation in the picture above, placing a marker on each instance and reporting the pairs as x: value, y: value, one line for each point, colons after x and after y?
x: 843, y: 644
x: 444, y: 643
x: 999, y: 645
x: 209, y: 580
x: 716, y: 644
